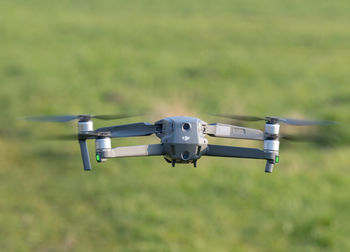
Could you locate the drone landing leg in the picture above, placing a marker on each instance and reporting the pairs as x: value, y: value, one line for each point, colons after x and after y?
x: 85, y: 155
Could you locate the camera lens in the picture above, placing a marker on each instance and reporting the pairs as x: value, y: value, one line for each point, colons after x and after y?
x: 185, y: 155
x: 186, y: 126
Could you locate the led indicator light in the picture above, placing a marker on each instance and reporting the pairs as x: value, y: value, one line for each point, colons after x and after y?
x: 277, y: 159
x: 98, y: 158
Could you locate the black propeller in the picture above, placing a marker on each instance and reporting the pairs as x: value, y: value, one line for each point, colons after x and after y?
x: 67, y: 118
x: 127, y: 130
x: 130, y: 130
x: 273, y: 119
x: 307, y: 138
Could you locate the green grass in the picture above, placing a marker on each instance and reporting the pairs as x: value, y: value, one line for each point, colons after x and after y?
x: 272, y: 57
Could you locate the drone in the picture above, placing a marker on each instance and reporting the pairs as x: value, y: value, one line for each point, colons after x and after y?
x: 183, y: 140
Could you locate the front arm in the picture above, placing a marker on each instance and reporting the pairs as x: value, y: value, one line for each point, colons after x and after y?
x: 238, y: 152
x: 131, y: 151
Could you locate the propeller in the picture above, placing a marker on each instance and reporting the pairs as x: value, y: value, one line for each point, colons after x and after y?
x: 340, y: 100
x: 127, y: 130
x: 273, y: 119
x: 68, y: 137
x: 130, y: 130
x: 307, y: 138
x: 67, y: 118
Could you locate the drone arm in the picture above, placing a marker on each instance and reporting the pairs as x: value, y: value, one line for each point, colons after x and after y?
x: 238, y: 152
x: 271, y: 157
x: 231, y: 131
x: 131, y: 130
x: 133, y: 151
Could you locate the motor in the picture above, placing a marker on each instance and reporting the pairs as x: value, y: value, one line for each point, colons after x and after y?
x: 271, y: 144
x: 102, y: 145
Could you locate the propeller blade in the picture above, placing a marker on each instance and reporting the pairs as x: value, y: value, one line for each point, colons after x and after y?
x: 242, y: 117
x: 82, y: 136
x: 127, y: 130
x: 67, y: 118
x: 294, y: 122
x: 130, y: 130
x: 297, y: 122
x: 70, y: 137
x: 115, y: 117
x: 63, y: 118
x: 319, y: 139
x: 340, y: 100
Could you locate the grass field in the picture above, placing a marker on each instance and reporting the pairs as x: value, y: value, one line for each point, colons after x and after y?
x: 168, y: 58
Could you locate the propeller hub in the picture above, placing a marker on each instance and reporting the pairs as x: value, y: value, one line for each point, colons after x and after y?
x: 272, y: 130
x: 85, y: 126
x: 272, y: 120
x: 85, y: 118
x: 271, y: 142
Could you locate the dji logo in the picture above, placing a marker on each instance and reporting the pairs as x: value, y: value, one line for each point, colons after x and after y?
x: 186, y: 138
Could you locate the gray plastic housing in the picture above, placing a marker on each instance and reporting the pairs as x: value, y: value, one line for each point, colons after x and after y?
x: 269, y: 166
x: 183, y: 139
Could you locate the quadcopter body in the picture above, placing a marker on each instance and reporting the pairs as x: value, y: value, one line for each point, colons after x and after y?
x: 182, y: 139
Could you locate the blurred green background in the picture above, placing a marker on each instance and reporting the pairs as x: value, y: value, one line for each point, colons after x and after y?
x: 270, y: 57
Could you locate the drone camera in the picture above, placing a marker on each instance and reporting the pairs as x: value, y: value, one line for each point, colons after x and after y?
x: 186, y: 126
x: 185, y: 155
